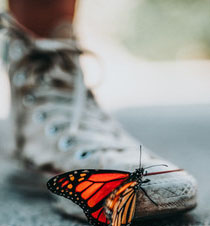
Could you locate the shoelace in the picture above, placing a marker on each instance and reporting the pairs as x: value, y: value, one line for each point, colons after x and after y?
x: 78, y: 120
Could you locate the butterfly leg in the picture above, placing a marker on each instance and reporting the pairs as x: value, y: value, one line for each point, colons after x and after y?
x: 146, y: 181
x: 148, y: 196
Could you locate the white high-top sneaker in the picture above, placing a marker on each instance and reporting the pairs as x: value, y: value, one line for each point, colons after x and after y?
x: 59, y: 126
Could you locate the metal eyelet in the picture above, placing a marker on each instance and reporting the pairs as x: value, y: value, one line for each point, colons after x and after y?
x: 83, y: 154
x: 40, y: 116
x: 19, y: 79
x: 55, y: 128
x: 52, y: 130
x: 65, y: 143
x: 29, y: 99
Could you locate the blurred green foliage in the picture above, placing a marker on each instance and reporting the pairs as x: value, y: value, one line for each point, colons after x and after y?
x: 167, y: 29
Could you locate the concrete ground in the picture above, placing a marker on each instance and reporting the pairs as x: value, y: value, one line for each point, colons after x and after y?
x: 180, y: 134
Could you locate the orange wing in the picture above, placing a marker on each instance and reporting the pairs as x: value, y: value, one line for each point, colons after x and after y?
x: 120, y: 205
x: 88, y: 189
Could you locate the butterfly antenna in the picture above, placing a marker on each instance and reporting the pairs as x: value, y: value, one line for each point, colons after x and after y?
x: 140, y: 158
x: 156, y: 166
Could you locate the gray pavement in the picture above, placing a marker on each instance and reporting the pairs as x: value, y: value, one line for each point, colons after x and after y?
x: 180, y: 134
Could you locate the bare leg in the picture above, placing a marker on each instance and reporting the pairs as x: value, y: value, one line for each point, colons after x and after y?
x: 41, y: 16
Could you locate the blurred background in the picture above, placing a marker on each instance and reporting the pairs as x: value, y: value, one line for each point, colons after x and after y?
x: 154, y: 30
x: 153, y: 52
x: 152, y: 72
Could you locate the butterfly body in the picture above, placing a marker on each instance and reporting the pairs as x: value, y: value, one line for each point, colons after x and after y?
x: 120, y: 205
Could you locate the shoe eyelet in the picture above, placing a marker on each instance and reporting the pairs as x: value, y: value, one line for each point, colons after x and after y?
x: 66, y: 143
x: 83, y: 154
x: 19, y: 79
x: 42, y: 80
x: 54, y: 129
x: 40, y: 116
x: 51, y: 130
x: 28, y: 99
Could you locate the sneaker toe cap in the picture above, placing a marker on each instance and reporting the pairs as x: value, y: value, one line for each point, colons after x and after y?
x: 173, y: 192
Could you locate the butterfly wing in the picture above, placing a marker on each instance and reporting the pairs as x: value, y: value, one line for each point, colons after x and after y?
x: 120, y: 205
x: 88, y: 189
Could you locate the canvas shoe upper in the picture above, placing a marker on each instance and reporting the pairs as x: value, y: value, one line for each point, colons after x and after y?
x: 60, y: 127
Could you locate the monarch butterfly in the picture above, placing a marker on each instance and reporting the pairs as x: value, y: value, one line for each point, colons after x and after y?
x: 107, y: 197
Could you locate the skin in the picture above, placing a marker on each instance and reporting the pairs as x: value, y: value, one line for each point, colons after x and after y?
x: 41, y: 16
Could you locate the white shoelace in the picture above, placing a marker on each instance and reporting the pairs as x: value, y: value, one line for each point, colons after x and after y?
x: 68, y: 112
